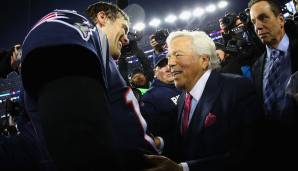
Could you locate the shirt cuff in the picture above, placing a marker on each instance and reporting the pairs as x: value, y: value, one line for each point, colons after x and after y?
x: 184, y: 166
x: 161, y: 145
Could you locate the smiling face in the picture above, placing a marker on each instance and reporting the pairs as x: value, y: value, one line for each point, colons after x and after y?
x: 268, y: 26
x: 186, y: 65
x: 116, y: 32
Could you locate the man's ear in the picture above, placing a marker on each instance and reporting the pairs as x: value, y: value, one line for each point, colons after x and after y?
x: 282, y: 19
x: 101, y: 17
x: 205, y: 62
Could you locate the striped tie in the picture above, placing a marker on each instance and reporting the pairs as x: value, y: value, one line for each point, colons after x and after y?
x: 274, y: 92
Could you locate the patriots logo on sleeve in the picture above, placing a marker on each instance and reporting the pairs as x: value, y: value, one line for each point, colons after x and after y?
x: 71, y: 19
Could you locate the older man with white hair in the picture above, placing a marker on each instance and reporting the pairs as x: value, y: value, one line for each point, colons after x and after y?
x: 217, y: 112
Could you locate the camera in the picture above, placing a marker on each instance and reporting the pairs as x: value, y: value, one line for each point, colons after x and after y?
x: 129, y: 49
x: 161, y: 36
x: 240, y: 38
x: 229, y: 20
x: 134, y: 36
x: 244, y: 16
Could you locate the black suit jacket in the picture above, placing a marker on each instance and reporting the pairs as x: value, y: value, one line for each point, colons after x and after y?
x: 258, y: 71
x: 227, y: 142
x: 278, y: 143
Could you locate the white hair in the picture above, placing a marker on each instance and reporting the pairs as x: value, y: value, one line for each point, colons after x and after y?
x: 202, y: 44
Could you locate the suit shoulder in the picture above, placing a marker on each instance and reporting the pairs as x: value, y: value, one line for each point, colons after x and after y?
x: 259, y: 62
x: 236, y: 80
x: 232, y: 77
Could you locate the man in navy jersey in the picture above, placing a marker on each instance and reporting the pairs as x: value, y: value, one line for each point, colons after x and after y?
x: 85, y: 116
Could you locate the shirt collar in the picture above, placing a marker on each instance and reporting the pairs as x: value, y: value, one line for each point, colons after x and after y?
x: 197, y: 91
x: 282, y: 46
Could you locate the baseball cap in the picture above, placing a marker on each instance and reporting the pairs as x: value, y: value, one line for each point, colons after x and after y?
x: 161, y: 60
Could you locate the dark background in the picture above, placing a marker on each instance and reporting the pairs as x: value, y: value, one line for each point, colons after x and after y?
x: 17, y: 16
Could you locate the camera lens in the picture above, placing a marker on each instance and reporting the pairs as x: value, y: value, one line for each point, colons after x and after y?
x: 226, y: 21
x: 161, y: 36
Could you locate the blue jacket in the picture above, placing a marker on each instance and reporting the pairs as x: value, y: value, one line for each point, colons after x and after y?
x: 118, y: 109
x: 159, y: 108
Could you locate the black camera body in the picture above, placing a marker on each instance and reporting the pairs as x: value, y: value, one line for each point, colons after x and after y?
x: 241, y: 40
x: 229, y: 20
x: 134, y: 36
x: 161, y: 36
x: 130, y: 49
x: 244, y: 16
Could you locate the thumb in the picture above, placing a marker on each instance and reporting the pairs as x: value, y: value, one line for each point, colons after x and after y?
x: 154, y: 159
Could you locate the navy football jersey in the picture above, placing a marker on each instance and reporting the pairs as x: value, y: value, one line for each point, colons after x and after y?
x: 64, y: 27
x: 58, y: 28
x: 126, y: 112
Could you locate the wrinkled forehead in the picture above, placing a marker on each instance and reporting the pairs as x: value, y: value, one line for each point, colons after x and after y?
x: 180, y: 43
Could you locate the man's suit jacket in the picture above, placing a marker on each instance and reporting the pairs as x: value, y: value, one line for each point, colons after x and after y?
x: 258, y: 72
x: 220, y: 133
x: 278, y: 142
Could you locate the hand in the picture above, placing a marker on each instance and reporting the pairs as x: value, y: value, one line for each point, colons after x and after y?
x: 161, y: 163
x: 165, y: 47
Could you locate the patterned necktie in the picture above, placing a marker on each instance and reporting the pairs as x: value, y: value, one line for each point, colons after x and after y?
x: 186, y: 111
x: 274, y: 92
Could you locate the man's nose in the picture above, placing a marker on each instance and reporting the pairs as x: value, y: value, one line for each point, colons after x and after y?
x: 125, y: 40
x: 171, y: 61
x: 258, y: 26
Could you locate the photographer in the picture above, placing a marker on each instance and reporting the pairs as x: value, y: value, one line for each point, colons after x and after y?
x: 144, y: 73
x: 17, y: 139
x: 158, y: 43
x: 9, y: 60
x: 227, y: 23
x: 240, y: 41
x: 228, y: 63
x: 17, y: 135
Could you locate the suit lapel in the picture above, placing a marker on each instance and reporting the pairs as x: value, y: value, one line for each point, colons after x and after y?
x: 180, y: 109
x: 211, y: 92
x: 261, y: 71
x: 258, y: 70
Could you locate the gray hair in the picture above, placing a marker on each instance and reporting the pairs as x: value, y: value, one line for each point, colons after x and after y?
x: 202, y: 44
